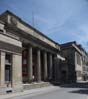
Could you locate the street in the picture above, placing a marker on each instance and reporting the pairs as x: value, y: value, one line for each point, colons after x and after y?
x: 59, y: 93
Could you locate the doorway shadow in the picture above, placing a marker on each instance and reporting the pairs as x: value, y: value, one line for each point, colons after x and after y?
x: 75, y: 85
x: 80, y: 91
x: 75, y: 88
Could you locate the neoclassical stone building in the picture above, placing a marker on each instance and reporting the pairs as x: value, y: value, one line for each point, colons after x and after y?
x: 29, y: 59
x: 26, y: 55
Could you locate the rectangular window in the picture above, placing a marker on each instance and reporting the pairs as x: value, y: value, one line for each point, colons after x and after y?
x: 78, y: 59
x: 8, y: 67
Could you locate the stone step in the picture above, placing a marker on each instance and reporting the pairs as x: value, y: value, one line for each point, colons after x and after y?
x: 35, y: 85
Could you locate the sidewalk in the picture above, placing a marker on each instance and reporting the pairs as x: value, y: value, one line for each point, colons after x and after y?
x: 31, y: 92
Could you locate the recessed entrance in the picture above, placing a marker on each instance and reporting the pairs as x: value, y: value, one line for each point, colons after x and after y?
x: 35, y: 64
x: 25, y: 65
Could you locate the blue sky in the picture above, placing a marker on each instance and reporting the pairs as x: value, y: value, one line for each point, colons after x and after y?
x: 61, y: 20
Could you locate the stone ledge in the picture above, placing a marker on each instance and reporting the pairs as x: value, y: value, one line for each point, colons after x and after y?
x: 35, y: 85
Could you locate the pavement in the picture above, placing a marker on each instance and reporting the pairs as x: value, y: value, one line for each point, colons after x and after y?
x: 73, y: 91
x: 31, y: 92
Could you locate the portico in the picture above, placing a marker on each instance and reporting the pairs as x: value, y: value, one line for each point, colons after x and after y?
x: 39, y: 65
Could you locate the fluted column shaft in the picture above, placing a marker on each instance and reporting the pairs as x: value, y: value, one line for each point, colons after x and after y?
x: 45, y: 66
x: 30, y: 68
x: 38, y: 66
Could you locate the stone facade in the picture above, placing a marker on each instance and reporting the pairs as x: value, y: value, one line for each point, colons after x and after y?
x: 84, y: 63
x: 14, y: 50
x: 26, y: 55
x: 72, y: 68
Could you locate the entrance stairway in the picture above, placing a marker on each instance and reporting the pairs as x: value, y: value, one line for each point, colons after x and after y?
x: 35, y: 85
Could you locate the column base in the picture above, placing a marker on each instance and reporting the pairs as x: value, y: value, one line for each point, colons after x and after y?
x: 30, y: 81
x: 38, y: 81
x: 6, y: 90
x: 3, y: 90
x: 18, y: 88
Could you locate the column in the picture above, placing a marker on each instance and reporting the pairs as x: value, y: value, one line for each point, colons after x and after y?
x: 38, y: 66
x: 56, y: 66
x: 30, y: 68
x: 2, y: 68
x: 45, y: 66
x: 51, y: 63
x: 17, y: 72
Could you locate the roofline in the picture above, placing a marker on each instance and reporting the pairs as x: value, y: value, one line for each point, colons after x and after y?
x: 7, y: 11
x: 69, y: 44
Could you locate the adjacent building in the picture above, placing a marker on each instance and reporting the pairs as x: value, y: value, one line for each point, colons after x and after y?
x: 71, y: 68
x: 84, y: 63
